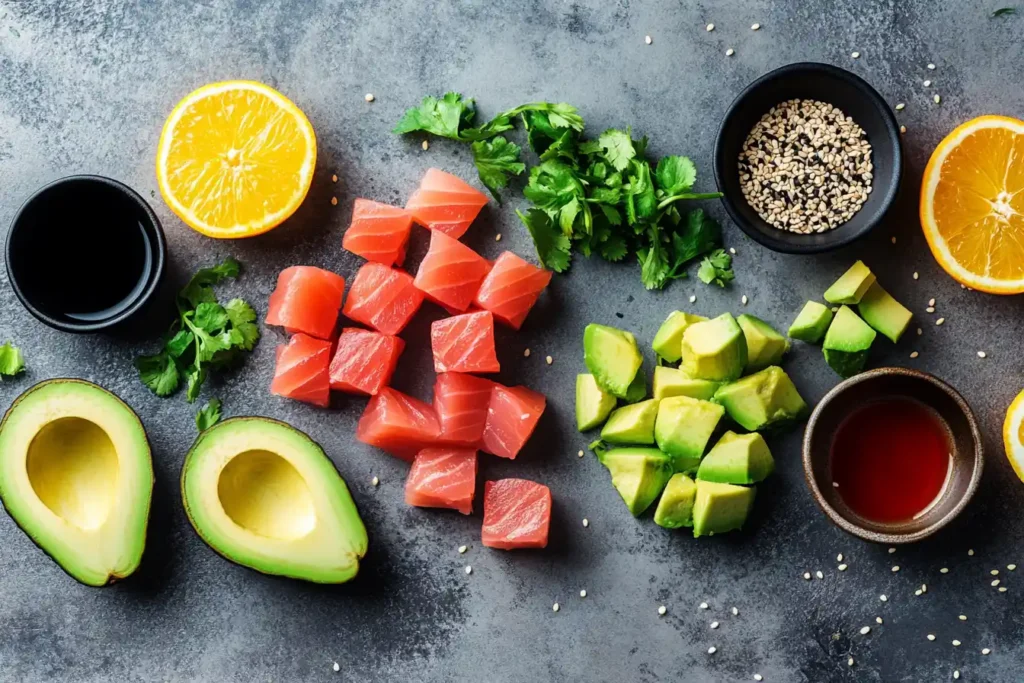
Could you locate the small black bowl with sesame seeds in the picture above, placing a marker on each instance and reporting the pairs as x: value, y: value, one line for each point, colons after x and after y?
x: 808, y: 158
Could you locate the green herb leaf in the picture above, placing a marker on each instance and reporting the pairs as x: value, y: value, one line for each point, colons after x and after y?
x: 618, y: 148
x: 11, y: 360
x: 208, y: 415
x: 675, y: 174
x: 552, y: 245
x: 195, y: 377
x: 698, y: 235
x: 614, y: 248
x: 1004, y: 11
x: 243, y: 319
x: 496, y: 160
x: 442, y: 117
x: 177, y: 345
x: 716, y: 268
x: 210, y: 317
x: 159, y: 372
x: 200, y: 287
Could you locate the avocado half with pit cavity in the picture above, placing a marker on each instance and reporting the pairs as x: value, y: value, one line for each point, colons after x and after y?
x: 76, y: 475
x: 266, y: 496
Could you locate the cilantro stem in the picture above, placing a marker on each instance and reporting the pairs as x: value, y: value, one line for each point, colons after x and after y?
x: 688, y: 195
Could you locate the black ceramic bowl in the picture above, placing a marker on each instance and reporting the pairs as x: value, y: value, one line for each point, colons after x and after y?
x: 838, y: 87
x: 85, y: 253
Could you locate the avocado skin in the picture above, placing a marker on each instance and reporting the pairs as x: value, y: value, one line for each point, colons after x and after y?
x: 847, y: 343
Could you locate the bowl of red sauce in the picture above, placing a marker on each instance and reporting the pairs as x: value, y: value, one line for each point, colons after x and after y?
x: 892, y: 455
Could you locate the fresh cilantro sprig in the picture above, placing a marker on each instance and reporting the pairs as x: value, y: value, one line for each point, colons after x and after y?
x: 207, y: 336
x: 12, y: 361
x: 208, y: 415
x: 716, y: 268
x: 598, y: 195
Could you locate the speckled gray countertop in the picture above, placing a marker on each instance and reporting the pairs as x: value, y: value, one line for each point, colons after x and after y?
x: 85, y: 86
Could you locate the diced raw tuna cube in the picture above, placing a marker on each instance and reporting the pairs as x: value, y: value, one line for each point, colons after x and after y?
x: 511, y: 289
x: 397, y: 423
x: 517, y: 514
x: 307, y: 300
x: 464, y: 343
x: 445, y: 203
x: 364, y: 361
x: 512, y: 415
x: 383, y: 298
x: 450, y: 274
x: 378, y: 232
x: 301, y: 371
x: 442, y: 478
x: 461, y: 403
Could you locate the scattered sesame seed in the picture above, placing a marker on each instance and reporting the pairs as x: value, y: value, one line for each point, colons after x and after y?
x: 896, y: 568
x: 583, y: 593
x: 903, y: 129
x: 807, y: 576
x: 692, y: 298
x: 931, y: 636
x: 956, y: 674
x: 549, y: 360
x: 919, y: 331
x: 469, y: 569
x: 835, y: 309
x: 841, y: 567
x: 995, y: 583
x: 883, y: 598
x: 936, y: 99
x: 712, y: 650
x: 732, y: 250
x: 982, y: 354
x: 962, y: 617
x: 735, y: 612
x: 526, y: 353
x: 940, y: 321
x: 985, y: 651
x: 714, y: 624
x: 900, y: 106
x: 931, y: 302
x: 914, y: 354
x: 425, y: 145
x: 554, y: 607
x: 927, y: 83
x: 744, y: 299
x: 839, y: 557
x: 1011, y: 567
x: 336, y: 666
x: 892, y: 550
x: 586, y: 522
x: 730, y: 52
x: 647, y: 39
x: 855, y: 55
x: 662, y: 610
x: 849, y: 662
x: 819, y: 575
x: 755, y: 27
x: 994, y: 572
x: 704, y: 605
x: 334, y: 178
x: 1002, y: 589
x: 918, y: 592
x: 334, y: 201
x: 956, y: 643
x: 878, y: 620
x: 579, y: 454
x: 944, y: 570
x: 930, y: 309
x: 497, y: 238
x: 835, y: 484
x: 916, y: 276
x: 924, y: 588
x: 931, y: 67
x: 866, y: 630
x: 369, y: 97
x: 758, y: 677
x: 894, y: 239
x: 463, y: 549
x: 970, y: 552
x: 710, y: 28
x: 375, y: 481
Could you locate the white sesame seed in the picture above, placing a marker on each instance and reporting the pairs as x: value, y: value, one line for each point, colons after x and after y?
x: 914, y: 354
x: 463, y: 549
x: 714, y: 624
x: 849, y: 662
x: 758, y: 677
x: 855, y: 55
x: 896, y: 568
x: 903, y: 129
x: 526, y: 353
x: 956, y: 674
x: 586, y: 522
x: 819, y: 575
x: 425, y: 145
x: 1011, y: 567
x: 931, y: 67
x: 839, y: 557
x: 892, y: 550
x: 931, y: 636
x: 549, y: 360
x: 336, y: 666
x: 936, y: 99
x: 647, y: 39
x: 930, y: 309
x: 841, y: 567
x: 375, y: 481
x: 944, y: 570
x: 970, y: 552
x: 497, y: 238
x: 931, y: 302
x: 730, y: 52
x: 883, y: 598
x: 994, y: 572
x: 866, y: 630
x: 807, y: 576
x: 878, y: 620
x: 334, y: 178
x: 469, y: 569
x: 662, y: 610
x: 692, y: 298
x: 985, y: 651
x: 735, y: 612
x: 927, y: 83
x: 732, y: 250
x: 334, y: 201
x: 710, y: 27
x: 995, y: 583
x: 924, y: 588
x: 940, y: 321
x: 982, y: 354
x: 1002, y: 589
x: 835, y: 484
x: 744, y: 299
x: 712, y: 650
x: 916, y: 276
x: 962, y: 617
x: 554, y: 607
x: 583, y: 593
x: 956, y: 643
x: 918, y: 592
x: 894, y: 239
x: 369, y: 97
x: 900, y: 106
x: 919, y: 331
x: 704, y: 605
x: 579, y: 454
x: 755, y: 27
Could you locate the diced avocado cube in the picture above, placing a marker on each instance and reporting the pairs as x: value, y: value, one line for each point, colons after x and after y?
x: 765, y: 346
x: 675, y: 509
x: 668, y: 342
x: 631, y: 424
x: 719, y: 508
x: 847, y: 343
x: 714, y: 349
x: 612, y: 357
x: 637, y: 389
x: 593, y: 404
x: 811, y: 323
x: 762, y: 399
x: 674, y: 382
x: 884, y: 313
x: 683, y: 428
x: 851, y: 286
x: 638, y: 474
x: 737, y: 459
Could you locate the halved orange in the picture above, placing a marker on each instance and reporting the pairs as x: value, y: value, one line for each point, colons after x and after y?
x: 972, y: 204
x: 235, y: 159
x: 1013, y: 435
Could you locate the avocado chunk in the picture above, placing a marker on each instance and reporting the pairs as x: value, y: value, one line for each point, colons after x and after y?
x: 638, y: 474
x: 76, y: 475
x: 719, y: 508
x: 683, y: 428
x: 675, y: 509
x: 737, y: 459
x: 765, y: 346
x: 637, y: 389
x: 762, y: 399
x: 847, y: 343
x: 631, y: 424
x: 668, y: 342
x: 674, y: 382
x: 851, y: 286
x: 714, y: 349
x: 612, y: 357
x: 592, y: 403
x: 265, y: 496
x: 884, y: 313
x: 811, y: 323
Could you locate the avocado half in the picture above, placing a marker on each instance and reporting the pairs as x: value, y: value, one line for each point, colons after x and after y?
x: 264, y: 495
x: 77, y: 476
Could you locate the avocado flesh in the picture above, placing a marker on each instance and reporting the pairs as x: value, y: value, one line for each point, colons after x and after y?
x: 668, y: 342
x: 76, y: 475
x: 765, y: 346
x: 719, y: 508
x: 265, y: 496
x: 631, y: 424
x: 762, y: 399
x: 675, y: 509
x: 880, y: 310
x: 715, y: 349
x: 674, y: 382
x: 737, y: 459
x: 612, y: 357
x: 593, y: 404
x: 638, y: 474
x: 683, y: 428
x: 811, y: 323
x: 637, y: 390
x: 851, y: 286
x: 847, y: 343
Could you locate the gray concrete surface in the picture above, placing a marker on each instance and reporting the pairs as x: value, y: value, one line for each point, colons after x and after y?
x: 85, y: 86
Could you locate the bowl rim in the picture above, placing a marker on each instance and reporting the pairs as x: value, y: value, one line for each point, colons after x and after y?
x: 789, y: 246
x: 159, y: 247
x: 852, y: 527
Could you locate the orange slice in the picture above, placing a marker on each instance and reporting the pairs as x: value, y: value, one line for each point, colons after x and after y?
x: 235, y: 159
x: 1013, y: 435
x: 972, y: 204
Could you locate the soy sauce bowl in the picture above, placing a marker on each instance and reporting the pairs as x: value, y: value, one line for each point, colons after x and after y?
x: 85, y: 253
x: 840, y: 88
x: 894, y: 383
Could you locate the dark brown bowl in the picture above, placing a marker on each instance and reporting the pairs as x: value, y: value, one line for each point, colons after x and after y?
x: 956, y: 415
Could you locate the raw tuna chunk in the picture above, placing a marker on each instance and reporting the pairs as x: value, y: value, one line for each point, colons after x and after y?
x: 517, y: 514
x: 307, y: 300
x: 383, y: 298
x: 461, y: 403
x: 446, y: 203
x: 464, y: 343
x: 512, y: 415
x: 397, y: 423
x: 364, y: 361
x: 442, y: 478
x: 378, y: 232
x: 301, y: 371
x: 511, y: 289
x: 450, y: 274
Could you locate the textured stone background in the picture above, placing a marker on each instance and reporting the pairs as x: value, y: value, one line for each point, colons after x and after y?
x: 85, y: 86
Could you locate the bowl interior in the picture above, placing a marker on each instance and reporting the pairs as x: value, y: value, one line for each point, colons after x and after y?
x: 955, y: 415
x: 829, y: 84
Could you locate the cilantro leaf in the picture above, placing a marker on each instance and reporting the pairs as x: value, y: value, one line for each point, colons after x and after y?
x: 210, y: 317
x: 208, y: 415
x: 552, y: 245
x: 442, y: 117
x: 654, y: 266
x: 614, y: 248
x: 675, y: 174
x: 641, y: 201
x: 199, y: 288
x: 716, y: 268
x: 159, y: 372
x: 496, y: 160
x: 11, y: 360
x: 177, y: 345
x: 698, y: 235
x: 618, y: 148
x: 1004, y: 11
x: 243, y: 319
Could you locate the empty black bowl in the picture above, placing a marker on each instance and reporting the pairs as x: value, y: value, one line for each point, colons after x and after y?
x: 85, y: 253
x: 856, y: 99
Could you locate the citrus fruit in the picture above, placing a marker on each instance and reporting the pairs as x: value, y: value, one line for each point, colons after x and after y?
x: 1013, y: 435
x: 972, y: 204
x: 235, y: 159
